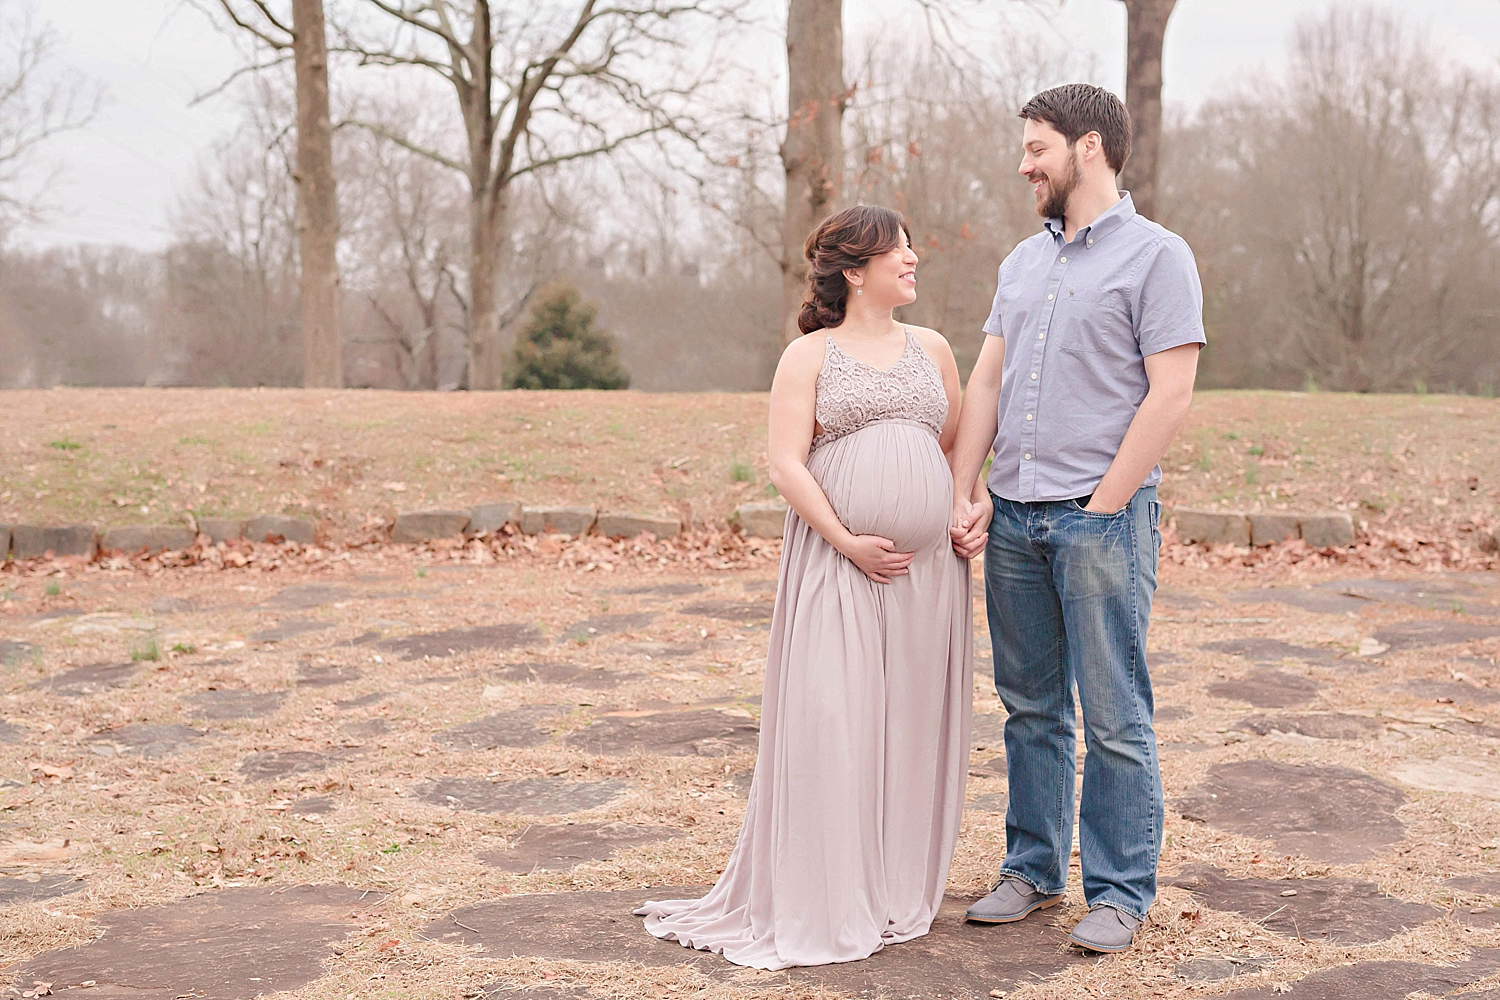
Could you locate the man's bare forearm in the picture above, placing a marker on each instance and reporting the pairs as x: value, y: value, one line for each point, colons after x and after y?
x: 1156, y: 422
x: 977, y: 424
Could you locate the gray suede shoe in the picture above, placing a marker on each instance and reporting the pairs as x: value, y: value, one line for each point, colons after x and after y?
x: 1010, y: 900
x: 1105, y: 929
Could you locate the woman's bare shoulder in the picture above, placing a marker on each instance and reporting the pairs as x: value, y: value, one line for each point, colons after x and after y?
x: 931, y: 340
x: 806, y: 352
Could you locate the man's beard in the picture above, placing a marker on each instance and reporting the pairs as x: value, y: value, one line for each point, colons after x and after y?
x: 1056, y: 205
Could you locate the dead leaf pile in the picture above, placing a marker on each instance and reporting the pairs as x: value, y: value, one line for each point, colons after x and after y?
x: 716, y: 547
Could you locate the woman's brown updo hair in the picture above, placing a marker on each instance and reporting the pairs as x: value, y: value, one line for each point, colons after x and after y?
x: 843, y: 242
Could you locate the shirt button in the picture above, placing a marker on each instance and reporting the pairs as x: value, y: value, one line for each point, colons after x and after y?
x: 1033, y: 376
x: 1049, y: 296
x: 1028, y: 416
x: 1091, y: 241
x: 1041, y: 336
x: 1062, y: 260
x: 1028, y: 456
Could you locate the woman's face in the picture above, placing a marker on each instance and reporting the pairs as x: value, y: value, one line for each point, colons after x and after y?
x: 889, y: 279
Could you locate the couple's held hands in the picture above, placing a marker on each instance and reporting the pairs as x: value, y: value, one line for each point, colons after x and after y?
x: 876, y: 557
x: 971, y: 525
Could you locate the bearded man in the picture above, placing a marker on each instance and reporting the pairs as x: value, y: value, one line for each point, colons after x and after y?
x: 1085, y: 376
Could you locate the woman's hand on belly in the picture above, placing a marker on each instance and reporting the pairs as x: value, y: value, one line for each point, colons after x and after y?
x: 876, y: 557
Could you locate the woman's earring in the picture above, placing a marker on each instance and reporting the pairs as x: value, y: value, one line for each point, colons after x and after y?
x: 859, y: 291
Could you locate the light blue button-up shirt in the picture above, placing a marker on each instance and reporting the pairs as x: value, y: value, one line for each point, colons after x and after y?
x: 1079, y: 320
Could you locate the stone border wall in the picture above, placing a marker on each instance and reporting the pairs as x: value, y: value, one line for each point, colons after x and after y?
x: 26, y: 541
x: 758, y: 520
x: 1333, y: 530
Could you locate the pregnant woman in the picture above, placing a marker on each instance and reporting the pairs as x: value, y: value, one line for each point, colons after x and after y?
x: 859, y: 786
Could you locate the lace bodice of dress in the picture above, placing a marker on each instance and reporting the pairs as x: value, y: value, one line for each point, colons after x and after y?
x: 851, y: 394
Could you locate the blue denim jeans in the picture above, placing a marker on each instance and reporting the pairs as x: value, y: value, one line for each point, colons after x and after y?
x: 1069, y: 599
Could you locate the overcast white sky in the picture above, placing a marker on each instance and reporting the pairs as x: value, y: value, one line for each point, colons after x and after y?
x: 153, y: 56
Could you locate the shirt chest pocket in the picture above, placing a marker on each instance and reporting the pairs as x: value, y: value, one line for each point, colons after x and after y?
x: 1087, y: 320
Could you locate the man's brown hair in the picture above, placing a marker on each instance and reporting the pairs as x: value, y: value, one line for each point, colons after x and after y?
x: 1076, y: 109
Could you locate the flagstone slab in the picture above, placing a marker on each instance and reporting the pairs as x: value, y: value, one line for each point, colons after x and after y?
x: 1485, y: 915
x: 15, y: 890
x: 450, y: 642
x: 661, y: 590
x: 1209, y: 970
x: 91, y: 679
x: 1171, y: 713
x: 954, y: 960
x: 290, y: 629
x: 173, y: 606
x: 326, y: 676
x: 1430, y: 594
x: 528, y: 797
x: 1335, y: 814
x: 1179, y: 600
x: 521, y: 727
x: 151, y: 742
x: 654, y: 650
x: 228, y: 944
x: 1320, y: 725
x: 1337, y: 910
x: 1317, y: 601
x: 1267, y: 689
x: 548, y: 991
x: 987, y: 730
x: 591, y: 678
x: 313, y: 805
x: 1368, y: 980
x: 992, y: 802
x: 600, y: 625
x: 11, y: 733
x: 365, y: 729
x: 993, y: 768
x: 232, y: 703
x: 731, y: 611
x: 1461, y: 775
x: 1455, y: 692
x: 13, y: 651
x: 702, y: 733
x: 273, y: 764
x: 1482, y: 884
x: 1266, y: 650
x: 740, y: 782
x: 1418, y: 635
x: 306, y: 596
x: 560, y: 848
x: 363, y: 701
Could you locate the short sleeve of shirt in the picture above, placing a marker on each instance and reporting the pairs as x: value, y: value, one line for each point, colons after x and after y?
x: 994, y: 326
x: 1167, y: 299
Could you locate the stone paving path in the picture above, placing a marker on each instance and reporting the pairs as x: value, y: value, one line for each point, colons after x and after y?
x: 438, y: 780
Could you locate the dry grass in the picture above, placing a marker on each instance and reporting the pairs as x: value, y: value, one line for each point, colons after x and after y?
x: 141, y: 456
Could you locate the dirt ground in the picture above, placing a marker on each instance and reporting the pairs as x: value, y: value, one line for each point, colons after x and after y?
x: 362, y: 769
x: 318, y: 727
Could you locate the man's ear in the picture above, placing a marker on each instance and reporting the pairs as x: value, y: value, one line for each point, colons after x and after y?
x: 1091, y: 145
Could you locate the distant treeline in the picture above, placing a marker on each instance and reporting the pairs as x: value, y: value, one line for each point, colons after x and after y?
x: 1345, y: 217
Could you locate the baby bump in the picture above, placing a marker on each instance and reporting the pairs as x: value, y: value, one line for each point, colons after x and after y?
x: 888, y: 478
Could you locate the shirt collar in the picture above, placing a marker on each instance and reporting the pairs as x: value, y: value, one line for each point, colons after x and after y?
x: 1112, y: 218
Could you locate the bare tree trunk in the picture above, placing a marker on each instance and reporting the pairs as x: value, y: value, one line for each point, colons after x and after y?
x: 813, y: 152
x: 486, y: 359
x: 1146, y: 27
x: 317, y: 202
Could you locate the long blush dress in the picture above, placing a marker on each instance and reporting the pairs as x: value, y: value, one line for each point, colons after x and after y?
x: 859, y: 786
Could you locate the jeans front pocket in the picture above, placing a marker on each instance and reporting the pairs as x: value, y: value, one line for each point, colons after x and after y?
x: 1078, y: 508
